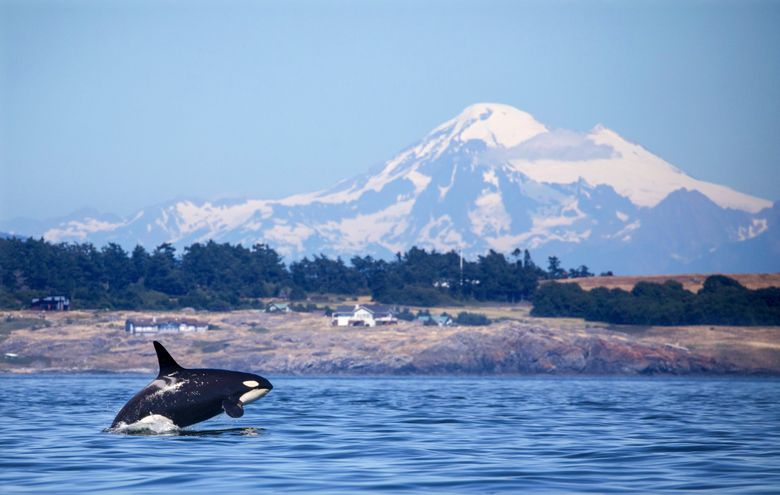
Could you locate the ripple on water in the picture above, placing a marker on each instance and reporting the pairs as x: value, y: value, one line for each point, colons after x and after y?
x: 445, y: 435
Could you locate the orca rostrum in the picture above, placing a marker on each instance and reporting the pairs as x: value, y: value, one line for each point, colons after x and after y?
x: 188, y: 396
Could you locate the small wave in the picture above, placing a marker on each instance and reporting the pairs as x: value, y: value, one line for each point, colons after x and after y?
x: 154, y: 424
x: 245, y: 431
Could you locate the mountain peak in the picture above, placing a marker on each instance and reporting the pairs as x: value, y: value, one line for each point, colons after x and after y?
x: 492, y: 177
x: 605, y: 135
x: 495, y: 124
x: 484, y: 109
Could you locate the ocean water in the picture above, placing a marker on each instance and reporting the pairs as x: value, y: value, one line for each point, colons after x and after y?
x: 410, y: 434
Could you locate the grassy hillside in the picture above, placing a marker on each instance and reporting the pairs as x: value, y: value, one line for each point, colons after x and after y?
x: 305, y: 343
x: 692, y: 281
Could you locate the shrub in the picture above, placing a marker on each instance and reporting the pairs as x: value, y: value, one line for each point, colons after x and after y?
x: 721, y: 301
x: 304, y: 308
x: 405, y: 314
x: 471, y: 319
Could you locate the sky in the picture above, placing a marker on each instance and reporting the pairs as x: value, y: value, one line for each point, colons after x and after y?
x: 118, y: 105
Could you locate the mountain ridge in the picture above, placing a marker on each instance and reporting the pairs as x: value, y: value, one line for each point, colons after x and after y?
x: 490, y: 178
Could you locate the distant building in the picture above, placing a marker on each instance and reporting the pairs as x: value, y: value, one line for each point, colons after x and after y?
x: 362, y: 315
x: 51, y: 303
x: 164, y: 325
x: 443, y: 320
x: 277, y: 308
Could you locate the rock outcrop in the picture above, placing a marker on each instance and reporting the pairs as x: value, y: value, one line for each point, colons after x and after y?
x: 307, y: 345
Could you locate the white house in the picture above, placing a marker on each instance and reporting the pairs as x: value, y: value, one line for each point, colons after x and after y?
x: 362, y: 315
x: 164, y: 325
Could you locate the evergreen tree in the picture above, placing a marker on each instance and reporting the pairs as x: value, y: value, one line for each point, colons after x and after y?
x: 162, y: 272
x: 139, y: 261
x: 117, y: 267
x: 554, y: 270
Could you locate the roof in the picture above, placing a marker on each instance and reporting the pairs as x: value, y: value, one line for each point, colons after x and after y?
x: 50, y: 299
x: 150, y: 322
x: 376, y: 308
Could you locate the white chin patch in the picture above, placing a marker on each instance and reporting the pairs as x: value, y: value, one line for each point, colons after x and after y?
x: 251, y: 383
x: 253, y: 395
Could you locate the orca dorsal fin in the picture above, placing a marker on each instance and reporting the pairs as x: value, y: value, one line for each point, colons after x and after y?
x: 167, y: 364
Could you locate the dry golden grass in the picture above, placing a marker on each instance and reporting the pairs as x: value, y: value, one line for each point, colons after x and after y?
x: 97, y: 340
x: 692, y: 281
x: 505, y: 311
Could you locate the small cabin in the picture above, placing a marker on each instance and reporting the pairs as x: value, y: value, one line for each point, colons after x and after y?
x: 277, y: 308
x: 50, y: 303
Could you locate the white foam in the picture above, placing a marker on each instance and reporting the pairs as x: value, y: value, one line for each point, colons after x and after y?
x: 154, y: 423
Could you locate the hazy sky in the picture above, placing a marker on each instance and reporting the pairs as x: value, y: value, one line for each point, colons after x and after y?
x: 118, y: 105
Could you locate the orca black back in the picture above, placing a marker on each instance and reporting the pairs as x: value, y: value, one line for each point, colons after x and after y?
x: 188, y: 396
x: 165, y: 361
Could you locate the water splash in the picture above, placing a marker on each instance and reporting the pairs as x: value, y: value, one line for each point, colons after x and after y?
x: 154, y: 424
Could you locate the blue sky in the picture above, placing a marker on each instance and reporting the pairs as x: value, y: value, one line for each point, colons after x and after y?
x: 117, y: 105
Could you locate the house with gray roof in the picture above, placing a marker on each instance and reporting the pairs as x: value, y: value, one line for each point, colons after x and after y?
x: 363, y: 315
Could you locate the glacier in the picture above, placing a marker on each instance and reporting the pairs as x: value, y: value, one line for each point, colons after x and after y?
x: 492, y: 177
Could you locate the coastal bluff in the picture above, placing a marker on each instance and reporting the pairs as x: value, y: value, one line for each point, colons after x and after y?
x: 306, y: 344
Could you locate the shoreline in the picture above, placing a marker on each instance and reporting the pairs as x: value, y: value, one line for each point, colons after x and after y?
x: 304, y: 344
x: 551, y: 376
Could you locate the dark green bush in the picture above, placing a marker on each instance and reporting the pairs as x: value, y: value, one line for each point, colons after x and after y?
x: 472, y: 319
x: 721, y: 301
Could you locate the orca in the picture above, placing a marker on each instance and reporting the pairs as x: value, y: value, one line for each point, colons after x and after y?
x: 187, y: 396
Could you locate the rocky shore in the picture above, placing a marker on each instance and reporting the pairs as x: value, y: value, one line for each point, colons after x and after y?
x: 299, y: 344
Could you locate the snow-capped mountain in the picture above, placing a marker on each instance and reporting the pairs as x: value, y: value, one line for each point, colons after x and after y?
x: 491, y: 178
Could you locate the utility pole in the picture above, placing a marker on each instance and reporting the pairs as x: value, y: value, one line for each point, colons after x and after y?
x: 461, y: 273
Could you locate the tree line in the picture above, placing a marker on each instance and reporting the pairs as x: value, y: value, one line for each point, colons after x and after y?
x: 222, y: 276
x: 720, y: 301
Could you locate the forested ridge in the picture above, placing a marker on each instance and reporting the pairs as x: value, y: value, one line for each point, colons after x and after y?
x: 721, y: 301
x: 216, y: 276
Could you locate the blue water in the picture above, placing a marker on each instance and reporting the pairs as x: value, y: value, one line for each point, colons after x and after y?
x: 343, y: 435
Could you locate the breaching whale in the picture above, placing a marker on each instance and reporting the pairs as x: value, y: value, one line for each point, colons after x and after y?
x: 188, y: 396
